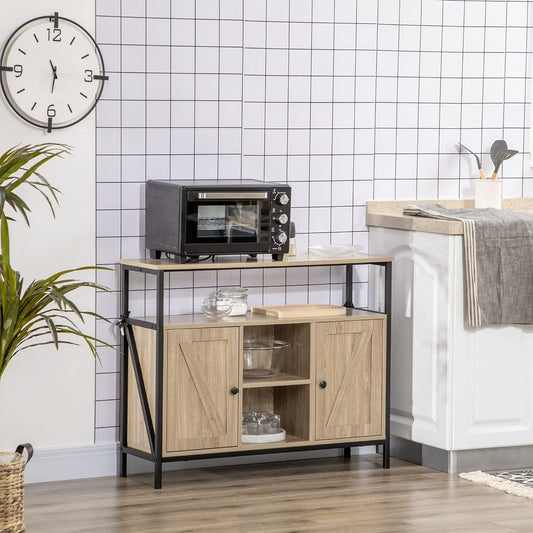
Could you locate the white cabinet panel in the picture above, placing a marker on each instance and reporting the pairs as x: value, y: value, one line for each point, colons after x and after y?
x: 451, y: 387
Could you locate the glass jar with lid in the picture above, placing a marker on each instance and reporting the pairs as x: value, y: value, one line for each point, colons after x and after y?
x: 239, y: 296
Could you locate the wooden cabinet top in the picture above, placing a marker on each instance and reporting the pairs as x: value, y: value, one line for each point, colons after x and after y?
x: 236, y: 262
x: 200, y: 321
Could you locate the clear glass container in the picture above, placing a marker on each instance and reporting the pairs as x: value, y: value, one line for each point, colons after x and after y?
x: 216, y: 307
x: 250, y: 425
x: 239, y: 295
x: 268, y: 423
x: 260, y: 423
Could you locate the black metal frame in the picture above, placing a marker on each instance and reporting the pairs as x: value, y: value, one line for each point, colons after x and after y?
x: 154, y: 428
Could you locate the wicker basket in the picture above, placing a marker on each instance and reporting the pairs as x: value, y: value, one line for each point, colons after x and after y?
x: 12, y: 489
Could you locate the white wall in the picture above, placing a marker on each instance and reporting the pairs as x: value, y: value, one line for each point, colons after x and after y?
x: 47, y: 397
x: 345, y: 100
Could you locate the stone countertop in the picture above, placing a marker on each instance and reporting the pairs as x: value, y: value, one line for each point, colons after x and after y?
x: 389, y: 214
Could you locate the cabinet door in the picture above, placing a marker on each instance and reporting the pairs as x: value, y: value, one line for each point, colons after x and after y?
x: 350, y: 368
x: 202, y: 365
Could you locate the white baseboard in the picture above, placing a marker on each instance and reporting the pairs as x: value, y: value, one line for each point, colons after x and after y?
x: 100, y: 460
x: 72, y: 462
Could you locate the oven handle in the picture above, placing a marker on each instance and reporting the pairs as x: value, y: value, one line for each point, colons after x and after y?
x: 232, y: 195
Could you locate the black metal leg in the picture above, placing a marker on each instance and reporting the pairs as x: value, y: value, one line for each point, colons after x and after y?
x: 347, y: 452
x: 386, y: 454
x: 349, y: 286
x: 159, y: 381
x: 158, y: 474
x: 388, y: 311
x: 123, y: 464
x: 124, y: 312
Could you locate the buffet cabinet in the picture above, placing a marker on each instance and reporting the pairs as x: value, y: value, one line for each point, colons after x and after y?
x: 331, y: 384
x: 184, y: 391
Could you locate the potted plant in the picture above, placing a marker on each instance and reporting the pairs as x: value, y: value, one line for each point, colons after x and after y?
x: 36, y: 313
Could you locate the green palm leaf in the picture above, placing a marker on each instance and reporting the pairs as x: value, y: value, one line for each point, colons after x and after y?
x: 43, y: 312
x: 40, y: 310
x: 19, y: 166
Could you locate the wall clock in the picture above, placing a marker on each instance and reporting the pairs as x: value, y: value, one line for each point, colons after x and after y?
x: 52, y: 72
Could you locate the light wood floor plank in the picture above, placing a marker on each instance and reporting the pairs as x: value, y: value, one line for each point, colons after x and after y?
x: 332, y: 494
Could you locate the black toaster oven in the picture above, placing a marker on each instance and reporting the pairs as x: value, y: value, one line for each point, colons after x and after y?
x: 196, y: 218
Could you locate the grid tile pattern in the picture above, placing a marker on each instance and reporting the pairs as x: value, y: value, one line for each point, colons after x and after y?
x: 346, y: 100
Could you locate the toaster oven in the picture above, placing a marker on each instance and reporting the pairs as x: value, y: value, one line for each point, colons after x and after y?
x: 191, y: 219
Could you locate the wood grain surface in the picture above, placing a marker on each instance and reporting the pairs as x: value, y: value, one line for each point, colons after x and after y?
x: 263, y: 261
x: 330, y: 494
x: 299, y: 310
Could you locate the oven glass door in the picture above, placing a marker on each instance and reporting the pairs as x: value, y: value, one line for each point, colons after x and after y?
x: 244, y: 224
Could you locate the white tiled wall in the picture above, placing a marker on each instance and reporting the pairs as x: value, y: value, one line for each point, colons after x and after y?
x: 346, y: 100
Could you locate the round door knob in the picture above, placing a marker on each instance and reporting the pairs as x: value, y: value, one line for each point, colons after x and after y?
x: 234, y: 390
x: 323, y: 384
x: 281, y: 238
x: 282, y: 219
x: 282, y: 198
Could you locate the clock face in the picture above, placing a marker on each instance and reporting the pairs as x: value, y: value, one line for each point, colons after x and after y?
x: 52, y: 72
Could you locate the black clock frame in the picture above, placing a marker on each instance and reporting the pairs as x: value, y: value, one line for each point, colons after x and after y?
x: 100, y: 77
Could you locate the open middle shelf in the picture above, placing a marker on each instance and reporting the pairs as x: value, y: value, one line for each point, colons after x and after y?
x: 281, y: 380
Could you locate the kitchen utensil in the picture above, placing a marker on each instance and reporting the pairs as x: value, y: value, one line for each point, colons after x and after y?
x: 217, y: 307
x: 494, y: 149
x: 263, y: 358
x: 478, y: 161
x: 501, y: 156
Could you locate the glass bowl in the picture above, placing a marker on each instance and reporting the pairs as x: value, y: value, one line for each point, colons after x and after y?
x: 263, y: 358
x: 216, y: 307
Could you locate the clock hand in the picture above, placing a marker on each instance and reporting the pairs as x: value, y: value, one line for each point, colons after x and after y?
x: 54, y: 71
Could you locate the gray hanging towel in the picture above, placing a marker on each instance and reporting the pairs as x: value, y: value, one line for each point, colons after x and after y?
x: 498, y: 261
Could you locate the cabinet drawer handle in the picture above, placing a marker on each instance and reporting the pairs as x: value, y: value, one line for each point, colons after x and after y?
x: 323, y: 384
x: 234, y: 390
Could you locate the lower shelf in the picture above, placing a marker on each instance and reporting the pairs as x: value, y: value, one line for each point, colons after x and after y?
x: 290, y: 440
x: 290, y: 443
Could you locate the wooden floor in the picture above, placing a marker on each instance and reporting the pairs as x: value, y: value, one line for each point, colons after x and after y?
x: 333, y: 494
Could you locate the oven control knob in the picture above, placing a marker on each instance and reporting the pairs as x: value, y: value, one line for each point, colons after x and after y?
x: 282, y: 198
x: 280, y: 238
x: 282, y: 219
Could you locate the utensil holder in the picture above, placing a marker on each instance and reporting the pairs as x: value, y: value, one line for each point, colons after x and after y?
x: 488, y: 193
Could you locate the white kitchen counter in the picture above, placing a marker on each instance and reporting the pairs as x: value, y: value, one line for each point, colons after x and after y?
x: 389, y: 214
x: 461, y: 399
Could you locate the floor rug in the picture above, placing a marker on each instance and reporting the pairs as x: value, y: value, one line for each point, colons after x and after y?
x: 519, y: 483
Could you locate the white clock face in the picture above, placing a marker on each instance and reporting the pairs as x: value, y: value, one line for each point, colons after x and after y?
x: 52, y: 72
